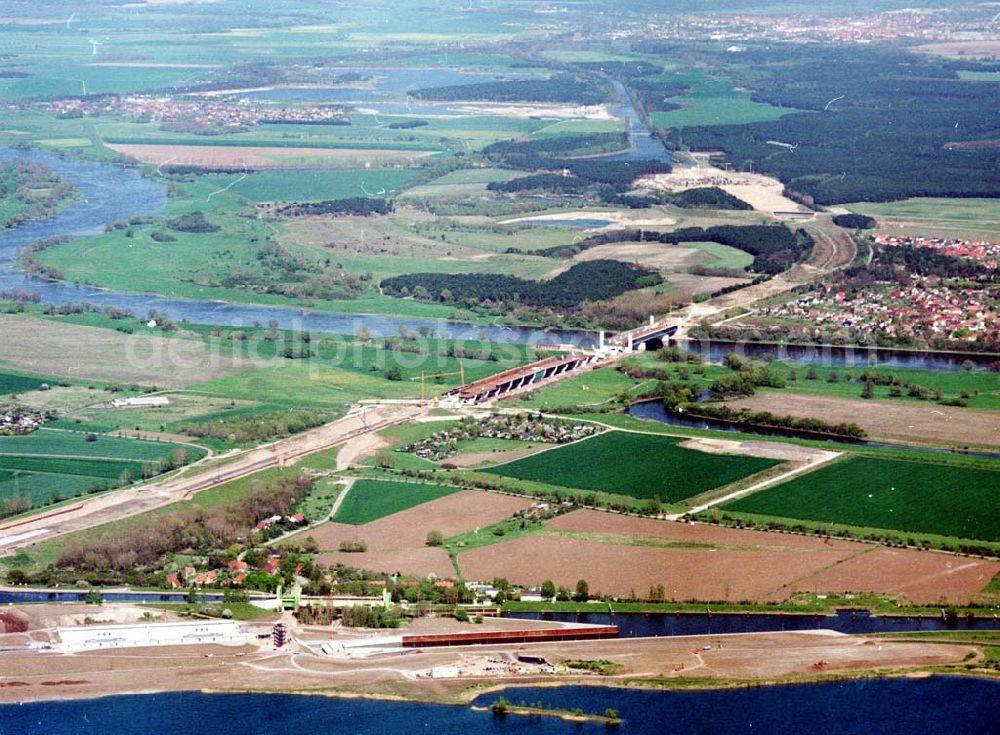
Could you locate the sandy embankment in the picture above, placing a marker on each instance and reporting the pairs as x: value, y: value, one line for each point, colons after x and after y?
x: 763, y: 193
x: 702, y: 660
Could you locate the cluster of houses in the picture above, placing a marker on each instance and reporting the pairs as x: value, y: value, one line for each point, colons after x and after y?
x: 917, y: 24
x: 982, y: 251
x: 522, y: 427
x: 293, y: 520
x: 234, y: 574
x: 921, y: 311
x: 15, y: 420
x: 210, y: 113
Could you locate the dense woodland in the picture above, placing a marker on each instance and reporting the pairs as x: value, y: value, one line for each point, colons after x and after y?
x: 357, y: 206
x: 584, y: 144
x: 594, y: 280
x: 775, y: 248
x: 567, y: 88
x: 880, y: 125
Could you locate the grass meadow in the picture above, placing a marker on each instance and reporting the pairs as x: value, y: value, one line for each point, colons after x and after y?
x: 637, y: 465
x: 50, y: 464
x: 369, y: 500
x: 922, y: 497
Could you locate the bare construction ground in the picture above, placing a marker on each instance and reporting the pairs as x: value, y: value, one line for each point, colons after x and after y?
x: 397, y: 543
x: 31, y: 675
x: 899, y: 421
x: 620, y: 555
x: 75, y: 351
x: 763, y: 193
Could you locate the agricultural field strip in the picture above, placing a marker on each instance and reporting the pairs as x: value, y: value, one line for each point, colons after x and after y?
x: 810, y: 466
x: 941, y: 499
x: 636, y: 486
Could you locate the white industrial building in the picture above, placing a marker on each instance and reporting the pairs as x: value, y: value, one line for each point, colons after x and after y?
x: 90, y: 637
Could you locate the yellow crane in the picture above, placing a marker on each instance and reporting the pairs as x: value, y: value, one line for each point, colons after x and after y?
x: 425, y: 375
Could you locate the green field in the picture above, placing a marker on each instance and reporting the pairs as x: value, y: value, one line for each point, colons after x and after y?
x: 14, y: 383
x: 936, y: 217
x: 74, y: 444
x: 50, y: 464
x: 269, y: 186
x: 369, y: 500
x: 638, y: 465
x: 711, y: 101
x: 894, y: 494
x: 979, y: 388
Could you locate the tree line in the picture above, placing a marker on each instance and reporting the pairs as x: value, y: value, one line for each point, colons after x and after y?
x: 594, y: 280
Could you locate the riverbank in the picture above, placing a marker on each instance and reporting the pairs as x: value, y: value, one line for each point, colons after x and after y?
x: 710, y: 662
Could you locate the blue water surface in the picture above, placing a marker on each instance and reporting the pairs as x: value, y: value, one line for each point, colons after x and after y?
x: 871, y: 707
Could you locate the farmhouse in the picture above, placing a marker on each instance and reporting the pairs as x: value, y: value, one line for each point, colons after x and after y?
x: 141, y: 402
x: 92, y: 637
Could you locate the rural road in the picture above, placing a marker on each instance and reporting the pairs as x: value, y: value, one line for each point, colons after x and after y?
x: 140, y: 499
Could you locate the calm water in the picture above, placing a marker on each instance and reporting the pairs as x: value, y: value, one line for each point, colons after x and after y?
x: 877, y: 707
x: 643, y: 625
x: 19, y: 597
x: 644, y: 145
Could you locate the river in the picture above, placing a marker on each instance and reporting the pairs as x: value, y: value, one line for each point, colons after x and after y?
x: 853, y: 622
x: 112, y: 192
x: 874, y: 707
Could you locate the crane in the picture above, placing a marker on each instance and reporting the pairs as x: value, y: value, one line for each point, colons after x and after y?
x: 424, y: 375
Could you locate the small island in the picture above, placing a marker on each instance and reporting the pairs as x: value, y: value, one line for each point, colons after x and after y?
x: 30, y: 190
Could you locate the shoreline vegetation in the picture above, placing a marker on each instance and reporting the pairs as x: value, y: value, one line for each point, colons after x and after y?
x: 31, y: 191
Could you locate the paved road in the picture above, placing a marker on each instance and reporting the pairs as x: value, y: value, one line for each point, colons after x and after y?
x: 140, y: 499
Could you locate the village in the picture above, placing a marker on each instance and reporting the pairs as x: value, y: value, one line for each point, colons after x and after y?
x: 195, y: 114
x: 926, y: 309
x: 15, y: 420
x: 443, y: 444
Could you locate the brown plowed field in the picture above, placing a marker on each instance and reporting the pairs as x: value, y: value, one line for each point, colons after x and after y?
x: 894, y: 420
x: 236, y: 157
x: 598, y: 522
x: 685, y: 573
x: 921, y: 576
x: 397, y: 543
x: 618, y: 555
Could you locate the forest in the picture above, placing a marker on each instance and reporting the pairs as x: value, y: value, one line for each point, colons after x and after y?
x: 567, y: 88
x: 881, y: 125
x: 561, y: 145
x: 357, y: 206
x: 594, y: 280
x: 607, y: 178
x: 775, y: 248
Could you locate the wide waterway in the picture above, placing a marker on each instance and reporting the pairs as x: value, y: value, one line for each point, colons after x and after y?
x: 112, y: 192
x: 854, y: 622
x: 872, y: 707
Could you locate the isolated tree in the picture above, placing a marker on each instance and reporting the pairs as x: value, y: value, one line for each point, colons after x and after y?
x: 435, y: 538
x: 548, y: 589
x: 582, y: 590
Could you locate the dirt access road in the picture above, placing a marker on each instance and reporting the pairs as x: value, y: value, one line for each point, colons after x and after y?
x: 131, y: 501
